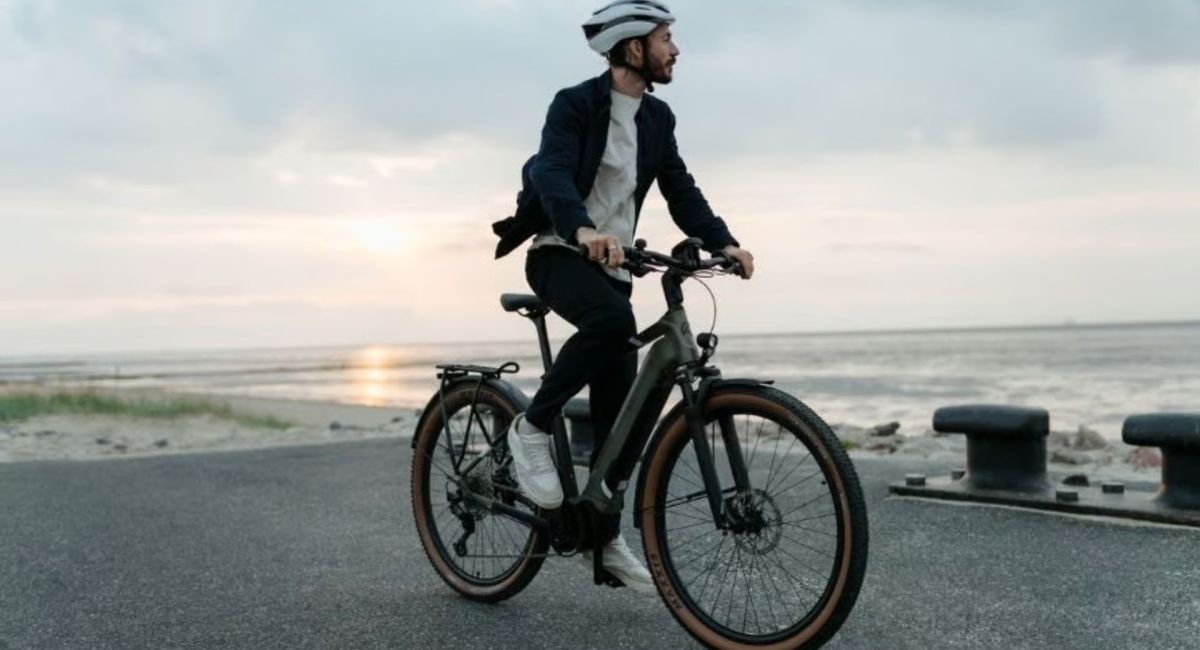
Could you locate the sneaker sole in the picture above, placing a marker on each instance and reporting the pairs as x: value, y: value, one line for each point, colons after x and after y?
x: 636, y: 586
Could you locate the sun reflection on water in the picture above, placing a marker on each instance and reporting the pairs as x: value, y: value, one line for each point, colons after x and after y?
x: 369, y: 376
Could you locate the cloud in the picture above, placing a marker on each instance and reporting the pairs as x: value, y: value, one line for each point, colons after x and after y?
x: 1162, y: 32
x: 206, y: 144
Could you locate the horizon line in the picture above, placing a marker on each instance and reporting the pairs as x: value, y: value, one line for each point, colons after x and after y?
x: 1067, y: 325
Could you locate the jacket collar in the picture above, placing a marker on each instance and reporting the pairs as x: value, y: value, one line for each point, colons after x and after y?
x: 603, y: 85
x: 602, y: 88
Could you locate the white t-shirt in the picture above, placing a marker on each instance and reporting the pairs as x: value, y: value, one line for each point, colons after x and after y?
x: 611, y: 203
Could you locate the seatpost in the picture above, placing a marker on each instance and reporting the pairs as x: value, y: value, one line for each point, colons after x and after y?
x: 539, y: 321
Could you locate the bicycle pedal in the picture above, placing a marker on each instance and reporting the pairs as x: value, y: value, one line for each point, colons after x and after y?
x: 609, y: 580
x: 600, y: 575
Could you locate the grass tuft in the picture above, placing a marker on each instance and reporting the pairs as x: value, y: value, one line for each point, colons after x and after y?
x: 22, y: 406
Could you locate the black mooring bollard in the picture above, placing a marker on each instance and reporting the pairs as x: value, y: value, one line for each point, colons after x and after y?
x: 1178, y: 436
x: 1006, y: 445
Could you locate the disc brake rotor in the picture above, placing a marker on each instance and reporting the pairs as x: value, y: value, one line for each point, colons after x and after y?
x: 761, y: 522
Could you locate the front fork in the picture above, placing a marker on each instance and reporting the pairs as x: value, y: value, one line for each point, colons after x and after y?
x: 693, y: 412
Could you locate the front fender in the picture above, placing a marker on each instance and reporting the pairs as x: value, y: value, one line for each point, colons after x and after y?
x: 506, y: 388
x: 675, y: 412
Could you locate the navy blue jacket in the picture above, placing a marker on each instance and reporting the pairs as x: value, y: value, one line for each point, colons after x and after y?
x: 557, y: 179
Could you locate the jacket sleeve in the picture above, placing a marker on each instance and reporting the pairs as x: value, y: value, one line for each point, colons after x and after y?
x: 687, y: 204
x: 553, y: 173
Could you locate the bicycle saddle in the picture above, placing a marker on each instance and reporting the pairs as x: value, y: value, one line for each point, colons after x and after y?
x: 518, y: 301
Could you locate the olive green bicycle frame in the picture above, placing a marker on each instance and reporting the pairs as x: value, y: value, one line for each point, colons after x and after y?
x: 672, y: 360
x: 643, y: 405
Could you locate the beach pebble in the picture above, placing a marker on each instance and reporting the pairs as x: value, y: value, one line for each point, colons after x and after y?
x: 1077, y: 480
x: 335, y: 426
x: 161, y: 443
x: 1145, y: 458
x: 884, y: 430
x: 103, y: 441
x: 1087, y: 439
x: 44, y: 433
x: 1068, y: 457
x: 882, y: 445
x: 121, y: 447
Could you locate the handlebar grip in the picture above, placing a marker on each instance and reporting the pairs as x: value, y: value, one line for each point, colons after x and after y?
x: 582, y: 249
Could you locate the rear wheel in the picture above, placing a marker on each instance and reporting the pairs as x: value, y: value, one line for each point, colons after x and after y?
x: 788, y: 572
x: 483, y: 556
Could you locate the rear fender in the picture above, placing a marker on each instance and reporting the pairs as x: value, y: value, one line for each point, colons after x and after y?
x: 506, y: 388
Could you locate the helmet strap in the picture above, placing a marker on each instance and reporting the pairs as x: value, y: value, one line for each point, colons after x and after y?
x: 646, y: 72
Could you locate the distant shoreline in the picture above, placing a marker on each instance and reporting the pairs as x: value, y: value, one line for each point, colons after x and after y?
x: 984, y: 329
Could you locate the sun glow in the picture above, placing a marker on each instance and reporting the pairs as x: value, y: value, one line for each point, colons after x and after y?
x: 378, y: 235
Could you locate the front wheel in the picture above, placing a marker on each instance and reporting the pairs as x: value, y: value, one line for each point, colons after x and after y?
x: 788, y: 572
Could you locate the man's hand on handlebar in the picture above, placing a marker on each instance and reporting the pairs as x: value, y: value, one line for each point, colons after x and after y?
x: 744, y: 259
x: 605, y: 249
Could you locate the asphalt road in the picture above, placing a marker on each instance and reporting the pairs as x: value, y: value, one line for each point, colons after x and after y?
x: 313, y: 547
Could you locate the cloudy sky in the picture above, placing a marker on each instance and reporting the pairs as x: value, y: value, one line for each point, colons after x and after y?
x: 229, y: 173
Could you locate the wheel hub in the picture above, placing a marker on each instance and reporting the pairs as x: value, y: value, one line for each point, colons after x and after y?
x: 756, y: 521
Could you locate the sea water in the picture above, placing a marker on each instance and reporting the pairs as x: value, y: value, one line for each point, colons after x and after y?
x: 1084, y: 375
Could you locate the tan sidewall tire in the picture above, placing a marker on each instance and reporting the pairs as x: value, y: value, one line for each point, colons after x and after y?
x: 426, y: 436
x: 650, y: 532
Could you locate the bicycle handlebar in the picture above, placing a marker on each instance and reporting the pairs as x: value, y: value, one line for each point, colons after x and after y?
x: 639, y: 261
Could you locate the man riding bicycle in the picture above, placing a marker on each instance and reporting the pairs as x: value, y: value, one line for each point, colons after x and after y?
x: 604, y: 143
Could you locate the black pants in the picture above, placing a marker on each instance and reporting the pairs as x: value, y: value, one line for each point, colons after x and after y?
x: 596, y: 356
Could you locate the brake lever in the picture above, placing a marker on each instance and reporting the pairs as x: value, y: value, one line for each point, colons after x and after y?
x: 638, y: 269
x: 729, y: 264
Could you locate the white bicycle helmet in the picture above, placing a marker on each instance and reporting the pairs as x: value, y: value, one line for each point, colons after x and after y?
x: 624, y: 19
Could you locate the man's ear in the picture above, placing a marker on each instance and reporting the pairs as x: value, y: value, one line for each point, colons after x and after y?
x: 635, y: 53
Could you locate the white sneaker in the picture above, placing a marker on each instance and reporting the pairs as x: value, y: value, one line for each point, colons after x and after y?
x: 533, y: 464
x: 620, y: 561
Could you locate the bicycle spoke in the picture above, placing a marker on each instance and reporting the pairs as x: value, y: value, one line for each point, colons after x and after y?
x: 811, y: 548
x: 724, y: 579
x: 810, y: 530
x: 801, y: 563
x: 785, y: 477
x: 800, y: 482
x: 715, y: 547
x: 715, y: 562
x: 690, y: 540
x: 801, y: 506
x: 757, y: 439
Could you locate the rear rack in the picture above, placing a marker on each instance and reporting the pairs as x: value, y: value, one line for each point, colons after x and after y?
x: 456, y: 370
x: 453, y: 371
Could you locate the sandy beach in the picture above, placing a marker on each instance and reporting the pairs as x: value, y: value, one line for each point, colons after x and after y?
x: 102, y: 436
